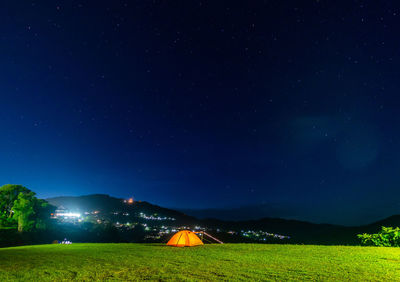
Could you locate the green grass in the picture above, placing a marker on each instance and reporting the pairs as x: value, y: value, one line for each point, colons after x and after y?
x: 210, y: 262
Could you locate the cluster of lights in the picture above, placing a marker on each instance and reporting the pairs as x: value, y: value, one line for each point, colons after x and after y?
x: 129, y: 201
x: 163, y: 230
x: 261, y: 235
x: 93, y: 212
x: 67, y: 214
x: 142, y: 215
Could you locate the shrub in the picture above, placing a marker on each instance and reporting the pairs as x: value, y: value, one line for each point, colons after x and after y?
x: 387, y: 237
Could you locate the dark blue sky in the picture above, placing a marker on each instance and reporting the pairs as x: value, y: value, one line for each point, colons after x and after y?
x: 201, y: 104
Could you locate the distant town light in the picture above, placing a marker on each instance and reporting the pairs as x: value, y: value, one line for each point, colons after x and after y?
x: 68, y: 214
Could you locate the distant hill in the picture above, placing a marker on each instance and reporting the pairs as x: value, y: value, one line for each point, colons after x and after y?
x: 316, y: 213
x: 300, y: 231
x: 107, y: 204
x: 393, y: 220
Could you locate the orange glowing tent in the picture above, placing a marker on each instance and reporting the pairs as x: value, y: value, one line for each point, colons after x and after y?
x: 185, y: 238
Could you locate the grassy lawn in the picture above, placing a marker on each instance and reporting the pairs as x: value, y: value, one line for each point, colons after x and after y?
x: 209, y: 262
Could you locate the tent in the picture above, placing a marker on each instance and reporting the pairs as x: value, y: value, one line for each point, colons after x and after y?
x: 185, y: 238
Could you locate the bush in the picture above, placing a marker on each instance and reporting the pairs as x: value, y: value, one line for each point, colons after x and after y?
x: 387, y: 237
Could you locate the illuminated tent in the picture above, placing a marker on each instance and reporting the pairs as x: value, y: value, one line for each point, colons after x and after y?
x: 185, y: 238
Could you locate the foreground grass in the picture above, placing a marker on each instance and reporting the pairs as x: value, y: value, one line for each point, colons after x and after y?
x: 209, y: 262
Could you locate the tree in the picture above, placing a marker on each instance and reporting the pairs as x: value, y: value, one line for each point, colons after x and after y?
x: 23, y: 209
x: 8, y: 195
x: 387, y: 237
x: 20, y: 208
x: 42, y: 211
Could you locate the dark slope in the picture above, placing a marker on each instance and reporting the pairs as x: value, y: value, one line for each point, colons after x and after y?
x: 300, y: 231
x: 107, y: 204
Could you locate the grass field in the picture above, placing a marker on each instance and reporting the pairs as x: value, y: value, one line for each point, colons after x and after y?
x: 209, y: 262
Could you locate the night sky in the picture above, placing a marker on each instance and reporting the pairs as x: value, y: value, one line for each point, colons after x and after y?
x: 189, y: 104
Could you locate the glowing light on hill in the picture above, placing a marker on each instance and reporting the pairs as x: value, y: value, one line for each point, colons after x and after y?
x: 68, y: 214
